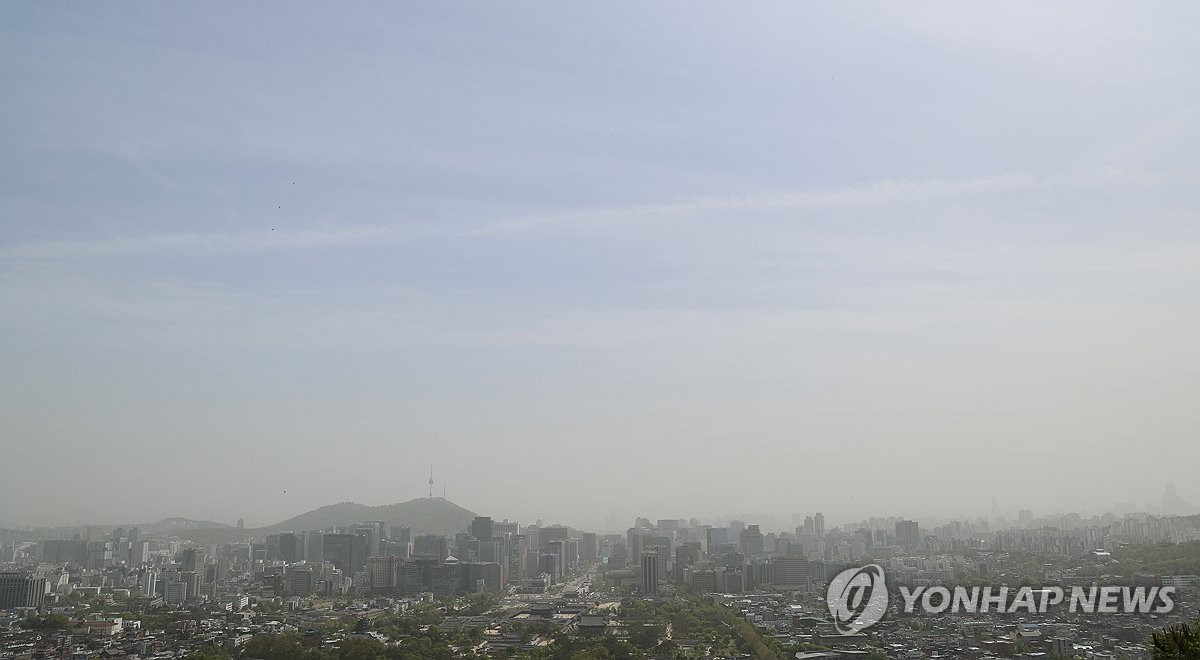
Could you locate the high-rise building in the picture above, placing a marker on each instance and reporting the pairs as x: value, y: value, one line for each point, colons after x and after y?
x: 290, y: 547
x: 193, y: 561
x: 715, y: 537
x: 175, y: 593
x: 382, y: 573
x: 481, y: 528
x: 371, y: 533
x: 431, y: 545
x: 790, y: 573
x: 650, y: 563
x: 751, y: 541
x: 634, y: 543
x: 99, y: 555
x: 491, y: 551
x: 588, y: 548
x: 506, y: 529
x: 478, y: 577
x: 558, y: 550
x: 18, y: 590
x: 819, y: 524
x: 553, y: 533
x: 347, y: 552
x: 139, y: 552
x: 443, y: 579
x: 61, y: 552
x: 314, y: 547
x: 908, y: 534
x: 300, y: 579
x: 149, y: 583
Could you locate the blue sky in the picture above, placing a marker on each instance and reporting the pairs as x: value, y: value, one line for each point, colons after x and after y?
x: 661, y: 259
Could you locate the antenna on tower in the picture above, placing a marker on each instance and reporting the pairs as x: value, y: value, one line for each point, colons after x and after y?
x: 431, y: 481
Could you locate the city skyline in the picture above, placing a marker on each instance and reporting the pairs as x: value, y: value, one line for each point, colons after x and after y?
x: 1170, y: 504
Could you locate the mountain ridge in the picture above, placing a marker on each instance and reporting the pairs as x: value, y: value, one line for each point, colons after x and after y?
x: 425, y: 515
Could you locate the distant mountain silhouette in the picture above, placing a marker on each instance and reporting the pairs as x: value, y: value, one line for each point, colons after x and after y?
x: 426, y: 515
x: 181, y: 524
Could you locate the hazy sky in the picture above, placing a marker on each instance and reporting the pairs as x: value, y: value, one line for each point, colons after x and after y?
x: 663, y: 259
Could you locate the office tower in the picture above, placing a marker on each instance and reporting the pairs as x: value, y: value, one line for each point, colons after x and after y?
x: 443, y: 579
x: 193, y: 581
x: 549, y: 564
x: 193, y: 561
x: 1025, y: 517
x: 716, y: 541
x: 819, y: 524
x: 588, y: 548
x: 685, y: 556
x: 634, y: 543
x: 175, y: 593
x: 347, y: 552
x: 431, y: 545
x: 370, y: 533
x: 790, y: 573
x: 394, y: 549
x: 553, y: 533
x: 491, y: 551
x: 505, y: 529
x: 220, y: 571
x: 649, y: 585
x: 618, y: 555
x: 558, y: 550
x: 273, y: 547
x: 402, y: 534
x: 466, y: 547
x: 289, y: 547
x: 61, y: 552
x: 381, y: 573
x: 139, y: 553
x: 99, y: 555
x: 149, y: 583
x: 703, y: 581
x: 481, y: 528
x: 300, y: 579
x: 908, y: 534
x: 751, y: 541
x: 381, y: 529
x: 314, y: 547
x: 19, y: 590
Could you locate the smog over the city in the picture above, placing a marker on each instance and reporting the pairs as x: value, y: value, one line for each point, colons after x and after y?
x: 638, y: 303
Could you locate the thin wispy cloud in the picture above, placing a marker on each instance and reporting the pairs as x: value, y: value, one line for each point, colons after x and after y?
x: 195, y: 244
x: 416, y: 229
